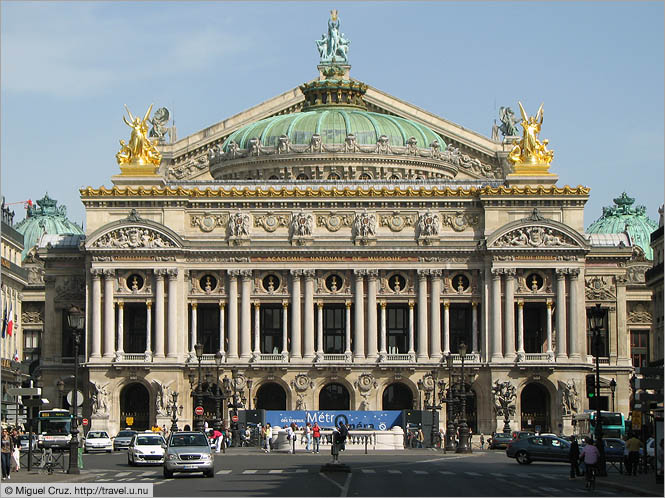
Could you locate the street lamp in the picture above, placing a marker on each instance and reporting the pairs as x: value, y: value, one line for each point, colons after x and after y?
x: 198, y: 392
x: 464, y: 446
x: 249, y: 392
x: 450, y: 425
x: 218, y: 392
x: 173, y: 410
x: 61, y: 391
x: 595, y: 321
x: 434, y: 406
x: 613, y: 386
x: 76, y: 322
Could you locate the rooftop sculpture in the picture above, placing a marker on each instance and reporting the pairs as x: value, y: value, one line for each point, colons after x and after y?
x: 529, y: 150
x: 140, y: 150
x: 334, y: 47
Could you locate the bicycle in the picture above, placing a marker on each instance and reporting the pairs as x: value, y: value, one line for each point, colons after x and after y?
x: 590, y: 477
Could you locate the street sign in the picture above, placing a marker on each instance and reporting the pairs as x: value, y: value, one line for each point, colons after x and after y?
x: 648, y: 397
x: 24, y: 391
x: 130, y: 421
x: 649, y: 383
x: 84, y: 422
x: 79, y: 398
x: 198, y: 410
x: 234, y: 418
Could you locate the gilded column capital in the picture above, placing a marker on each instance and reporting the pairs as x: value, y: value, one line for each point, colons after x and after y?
x: 549, y: 304
x: 109, y: 273
x: 520, y: 304
x: 121, y: 304
x: 309, y: 274
x: 172, y: 273
x: 347, y: 304
x: 285, y: 305
x: 195, y: 305
x: 246, y: 274
x: 319, y: 304
x: 257, y: 305
x: 446, y: 304
x: 436, y: 273
x: 474, y: 304
x: 160, y: 273
x: 148, y: 304
x: 412, y: 304
x: 222, y: 305
x: 383, y: 305
x: 96, y: 273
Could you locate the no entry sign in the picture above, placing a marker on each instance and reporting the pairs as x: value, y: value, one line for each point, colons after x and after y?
x: 234, y: 418
x: 198, y: 410
x: 85, y: 422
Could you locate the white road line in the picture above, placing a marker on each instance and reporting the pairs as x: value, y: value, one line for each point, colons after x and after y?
x: 420, y: 472
x: 549, y: 490
x: 394, y: 472
x: 275, y: 471
x: 159, y: 482
x: 446, y: 472
x: 497, y: 474
x: 103, y: 480
x: 368, y: 471
x: 301, y: 471
x: 249, y: 471
x: 223, y: 471
x: 121, y: 474
x: 474, y: 474
x: 147, y: 473
x: 549, y: 476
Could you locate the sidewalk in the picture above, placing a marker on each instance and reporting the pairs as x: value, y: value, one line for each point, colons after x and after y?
x: 35, y: 476
x: 640, y: 485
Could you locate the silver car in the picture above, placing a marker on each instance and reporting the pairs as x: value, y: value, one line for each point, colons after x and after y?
x: 189, y: 452
x: 122, y: 439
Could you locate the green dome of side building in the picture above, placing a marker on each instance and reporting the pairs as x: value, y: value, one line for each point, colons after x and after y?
x: 623, y: 217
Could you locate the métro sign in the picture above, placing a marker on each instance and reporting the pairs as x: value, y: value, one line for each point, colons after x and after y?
x: 327, y: 419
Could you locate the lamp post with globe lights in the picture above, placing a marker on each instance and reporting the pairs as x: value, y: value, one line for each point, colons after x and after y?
x: 450, y: 399
x: 595, y: 322
x: 76, y: 322
x: 464, y: 446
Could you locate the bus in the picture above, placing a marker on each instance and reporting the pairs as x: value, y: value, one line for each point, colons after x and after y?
x: 614, y: 424
x: 54, y: 428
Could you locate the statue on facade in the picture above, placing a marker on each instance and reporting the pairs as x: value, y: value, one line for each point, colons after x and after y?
x: 99, y: 398
x: 530, y: 150
x: 365, y: 225
x: 569, y: 397
x: 334, y: 47
x: 504, y: 397
x: 140, y: 149
x: 508, y: 125
x: 159, y: 121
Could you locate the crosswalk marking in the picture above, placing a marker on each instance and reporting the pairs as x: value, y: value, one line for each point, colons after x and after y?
x: 420, y: 472
x: 474, y: 474
x: 301, y: 471
x: 275, y: 471
x: 368, y: 471
x: 394, y: 472
x: 122, y: 474
x: 147, y: 473
x: 252, y: 471
x: 159, y: 482
x: 548, y: 490
x: 446, y: 472
x: 549, y: 476
x: 497, y: 474
x: 224, y: 471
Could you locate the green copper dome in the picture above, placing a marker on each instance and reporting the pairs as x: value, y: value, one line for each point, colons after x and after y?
x: 46, y: 217
x: 333, y: 124
x: 622, y: 217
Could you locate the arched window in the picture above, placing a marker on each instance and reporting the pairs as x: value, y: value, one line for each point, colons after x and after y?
x: 334, y: 397
x: 270, y: 396
x: 397, y: 396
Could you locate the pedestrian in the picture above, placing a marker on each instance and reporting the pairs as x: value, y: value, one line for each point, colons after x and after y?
x: 343, y: 433
x: 316, y: 434
x: 16, y: 453
x: 633, y: 445
x: 308, y: 437
x: 187, y: 428
x: 420, y: 437
x: 482, y: 441
x: 217, y: 437
x: 573, y: 457
x: 589, y: 455
x: 268, y: 438
x: 626, y: 460
x: 290, y: 438
x: 7, y: 450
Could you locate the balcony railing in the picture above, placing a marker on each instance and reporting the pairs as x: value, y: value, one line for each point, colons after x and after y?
x: 538, y: 357
x: 406, y: 357
x: 274, y: 357
x: 334, y: 357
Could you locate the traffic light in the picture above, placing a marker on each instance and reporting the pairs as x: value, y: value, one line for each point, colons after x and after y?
x: 590, y: 386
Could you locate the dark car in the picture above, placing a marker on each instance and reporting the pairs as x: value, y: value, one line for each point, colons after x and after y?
x: 614, y: 449
x: 543, y: 448
x: 122, y: 440
x: 523, y: 434
x: 499, y: 441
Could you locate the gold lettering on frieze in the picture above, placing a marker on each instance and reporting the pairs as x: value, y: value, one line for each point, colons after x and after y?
x: 541, y: 257
x: 284, y: 259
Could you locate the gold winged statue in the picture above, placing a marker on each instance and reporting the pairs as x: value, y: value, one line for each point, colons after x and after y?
x: 529, y: 150
x: 141, y: 150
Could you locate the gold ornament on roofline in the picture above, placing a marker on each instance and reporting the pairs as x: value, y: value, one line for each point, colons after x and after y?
x: 139, y: 156
x: 528, y: 151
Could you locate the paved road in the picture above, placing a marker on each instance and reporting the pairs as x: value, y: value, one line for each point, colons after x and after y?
x: 409, y: 473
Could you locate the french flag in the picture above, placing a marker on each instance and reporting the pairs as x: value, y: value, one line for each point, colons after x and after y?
x: 10, y: 322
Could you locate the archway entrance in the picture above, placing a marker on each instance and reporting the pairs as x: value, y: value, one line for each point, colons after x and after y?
x: 135, y: 404
x: 535, y: 402
x: 334, y: 397
x: 270, y: 396
x: 397, y: 396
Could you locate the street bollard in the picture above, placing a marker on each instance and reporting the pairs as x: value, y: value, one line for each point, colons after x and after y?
x: 366, y: 438
x: 80, y: 458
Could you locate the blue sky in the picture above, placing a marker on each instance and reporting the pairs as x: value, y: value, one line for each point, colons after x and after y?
x: 68, y: 68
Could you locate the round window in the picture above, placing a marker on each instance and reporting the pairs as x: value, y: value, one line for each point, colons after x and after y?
x: 396, y: 282
x: 534, y: 282
x: 135, y: 282
x: 271, y: 283
x: 333, y: 176
x: 302, y: 176
x: 208, y: 283
x: 365, y: 176
x: 334, y: 283
x: 460, y: 283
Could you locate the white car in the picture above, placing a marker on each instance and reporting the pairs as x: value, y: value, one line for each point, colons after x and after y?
x: 146, y: 448
x: 97, y: 441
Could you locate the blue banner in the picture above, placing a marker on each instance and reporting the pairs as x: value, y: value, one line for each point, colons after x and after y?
x: 380, y: 420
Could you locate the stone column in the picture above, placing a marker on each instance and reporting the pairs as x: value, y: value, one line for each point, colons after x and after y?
x: 623, y: 349
x: 495, y: 348
x: 422, y: 314
x: 359, y: 316
x: 193, y: 330
x: 308, y: 336
x: 319, y: 330
x: 372, y: 276
x: 296, y: 351
x: 160, y: 273
x: 109, y: 314
x: 446, y: 328
x: 148, y: 329
x: 384, y: 350
x: 412, y: 351
x: 561, y: 329
x: 435, y: 314
x: 574, y: 318
x: 549, y: 328
x: 347, y: 329
x: 520, y: 329
x: 121, y: 328
x: 172, y: 315
x: 285, y: 328
x: 474, y: 326
x: 222, y: 326
x: 233, y: 313
x: 257, y: 329
x: 246, y: 315
x: 96, y: 348
x: 509, y: 314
